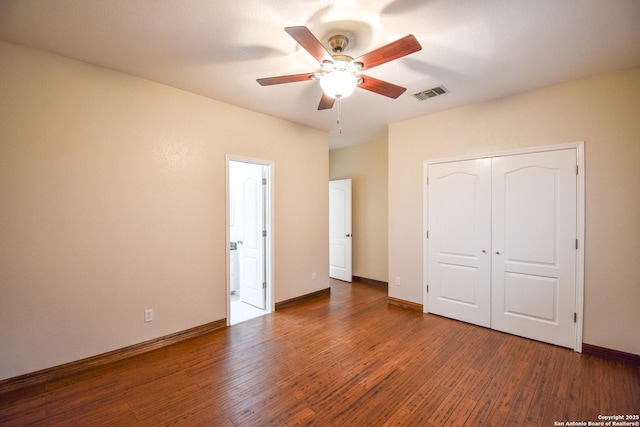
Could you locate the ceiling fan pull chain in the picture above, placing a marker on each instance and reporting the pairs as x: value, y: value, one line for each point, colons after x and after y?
x: 339, y: 114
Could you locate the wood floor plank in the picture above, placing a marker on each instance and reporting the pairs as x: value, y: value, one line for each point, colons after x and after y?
x: 461, y: 415
x: 348, y: 359
x: 423, y: 412
x: 450, y: 404
x: 497, y: 377
x: 575, y: 391
x: 543, y: 390
x: 519, y: 406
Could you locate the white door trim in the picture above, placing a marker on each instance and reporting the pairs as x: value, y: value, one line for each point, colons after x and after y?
x: 270, y: 303
x: 580, y: 220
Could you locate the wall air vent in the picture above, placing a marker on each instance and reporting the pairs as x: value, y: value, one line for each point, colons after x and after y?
x: 430, y: 93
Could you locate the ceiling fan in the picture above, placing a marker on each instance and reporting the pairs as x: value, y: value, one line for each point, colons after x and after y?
x: 340, y: 74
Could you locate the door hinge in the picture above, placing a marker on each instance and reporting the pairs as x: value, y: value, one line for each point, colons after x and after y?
x: 264, y: 181
x: 264, y: 233
x: 427, y: 288
x: 577, y: 168
x: 427, y: 233
x: 576, y: 243
x: 575, y: 317
x: 264, y: 285
x: 427, y: 180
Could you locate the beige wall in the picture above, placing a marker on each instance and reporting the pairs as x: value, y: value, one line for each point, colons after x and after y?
x: 112, y: 201
x: 366, y: 165
x: 603, y: 111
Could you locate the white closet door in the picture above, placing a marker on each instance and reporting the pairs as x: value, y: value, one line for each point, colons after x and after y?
x: 459, y: 216
x: 533, y: 248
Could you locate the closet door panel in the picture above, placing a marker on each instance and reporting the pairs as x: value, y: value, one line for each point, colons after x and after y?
x: 533, y: 245
x: 459, y: 222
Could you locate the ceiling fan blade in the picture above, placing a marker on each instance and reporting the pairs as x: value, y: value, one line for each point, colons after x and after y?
x: 394, y: 50
x: 326, y: 102
x: 267, y: 81
x: 310, y: 43
x: 381, y: 87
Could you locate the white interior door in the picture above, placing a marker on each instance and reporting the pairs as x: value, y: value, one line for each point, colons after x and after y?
x: 459, y: 263
x: 340, y: 230
x: 251, y: 246
x: 534, y: 245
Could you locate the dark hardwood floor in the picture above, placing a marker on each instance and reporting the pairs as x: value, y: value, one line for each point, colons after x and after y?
x: 348, y: 359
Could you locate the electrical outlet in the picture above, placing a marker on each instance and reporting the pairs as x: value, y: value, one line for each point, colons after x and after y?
x: 314, y: 276
x: 397, y: 280
x: 148, y: 315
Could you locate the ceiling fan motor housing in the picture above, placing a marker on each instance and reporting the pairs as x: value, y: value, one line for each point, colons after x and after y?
x: 338, y: 43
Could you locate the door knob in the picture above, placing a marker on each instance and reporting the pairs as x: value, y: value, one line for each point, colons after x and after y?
x: 484, y: 252
x: 497, y: 253
x: 240, y: 242
x: 348, y: 235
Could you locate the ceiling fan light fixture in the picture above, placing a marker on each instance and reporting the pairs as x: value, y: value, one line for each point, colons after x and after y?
x: 338, y: 84
x: 338, y: 79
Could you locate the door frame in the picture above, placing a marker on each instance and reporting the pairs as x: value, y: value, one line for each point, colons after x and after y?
x: 580, y: 220
x: 269, y: 258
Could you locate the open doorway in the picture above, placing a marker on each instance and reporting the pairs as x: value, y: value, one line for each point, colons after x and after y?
x: 248, y: 208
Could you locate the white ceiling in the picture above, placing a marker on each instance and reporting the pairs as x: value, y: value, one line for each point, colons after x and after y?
x: 477, y: 49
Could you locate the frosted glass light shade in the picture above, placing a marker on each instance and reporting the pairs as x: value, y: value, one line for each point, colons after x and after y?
x: 338, y: 84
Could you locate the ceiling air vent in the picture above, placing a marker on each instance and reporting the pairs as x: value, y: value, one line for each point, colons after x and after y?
x: 430, y: 93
